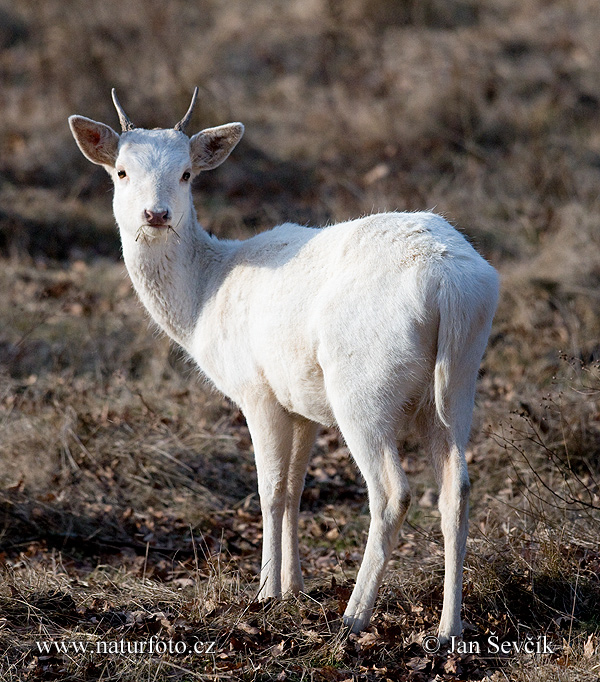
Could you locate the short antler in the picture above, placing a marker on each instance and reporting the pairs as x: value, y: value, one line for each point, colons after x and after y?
x: 182, y: 125
x: 126, y: 124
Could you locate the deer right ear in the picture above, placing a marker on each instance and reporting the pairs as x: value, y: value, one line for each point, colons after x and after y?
x: 98, y: 142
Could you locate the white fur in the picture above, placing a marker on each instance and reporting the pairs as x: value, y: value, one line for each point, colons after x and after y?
x: 373, y: 325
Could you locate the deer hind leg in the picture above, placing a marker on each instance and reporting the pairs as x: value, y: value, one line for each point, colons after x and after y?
x: 304, y: 433
x: 271, y: 429
x: 447, y: 447
x: 389, y: 498
x: 453, y: 482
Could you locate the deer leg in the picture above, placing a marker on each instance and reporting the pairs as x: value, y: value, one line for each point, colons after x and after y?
x: 389, y: 498
x: 271, y: 429
x: 454, y: 510
x: 447, y: 445
x: 304, y: 433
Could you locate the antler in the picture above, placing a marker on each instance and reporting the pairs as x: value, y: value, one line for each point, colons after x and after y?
x: 182, y: 125
x: 126, y: 124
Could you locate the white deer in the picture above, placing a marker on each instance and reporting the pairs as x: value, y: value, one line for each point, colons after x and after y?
x: 373, y: 325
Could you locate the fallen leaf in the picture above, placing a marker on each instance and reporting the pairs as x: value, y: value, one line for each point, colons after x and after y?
x: 418, y: 663
x: 452, y: 666
x: 277, y: 650
x: 589, y: 648
x: 249, y: 629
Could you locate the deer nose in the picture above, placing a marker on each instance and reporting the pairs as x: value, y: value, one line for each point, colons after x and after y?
x: 158, y: 217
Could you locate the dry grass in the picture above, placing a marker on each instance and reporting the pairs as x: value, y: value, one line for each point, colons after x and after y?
x: 128, y: 493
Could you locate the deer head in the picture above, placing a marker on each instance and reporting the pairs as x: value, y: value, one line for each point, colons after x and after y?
x: 152, y: 169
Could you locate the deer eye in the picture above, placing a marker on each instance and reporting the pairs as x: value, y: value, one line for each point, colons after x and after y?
x: 122, y: 174
x: 186, y: 176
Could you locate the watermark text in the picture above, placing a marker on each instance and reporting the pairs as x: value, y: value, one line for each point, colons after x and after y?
x: 150, y: 647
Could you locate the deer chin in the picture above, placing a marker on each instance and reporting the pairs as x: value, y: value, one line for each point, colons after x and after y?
x: 149, y: 233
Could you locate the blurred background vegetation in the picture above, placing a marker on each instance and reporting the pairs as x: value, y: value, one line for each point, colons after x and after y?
x: 487, y: 111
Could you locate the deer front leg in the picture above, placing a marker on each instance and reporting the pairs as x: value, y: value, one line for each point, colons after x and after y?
x: 291, y: 572
x: 271, y: 429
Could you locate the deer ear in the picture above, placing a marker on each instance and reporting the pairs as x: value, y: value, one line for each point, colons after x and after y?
x: 210, y: 147
x: 98, y: 142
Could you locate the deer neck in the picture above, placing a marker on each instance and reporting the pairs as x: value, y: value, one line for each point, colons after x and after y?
x: 172, y: 272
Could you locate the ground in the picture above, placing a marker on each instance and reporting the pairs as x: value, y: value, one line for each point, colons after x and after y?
x: 129, y: 515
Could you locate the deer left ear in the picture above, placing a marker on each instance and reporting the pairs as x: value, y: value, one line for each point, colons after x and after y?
x: 210, y: 147
x: 98, y: 142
